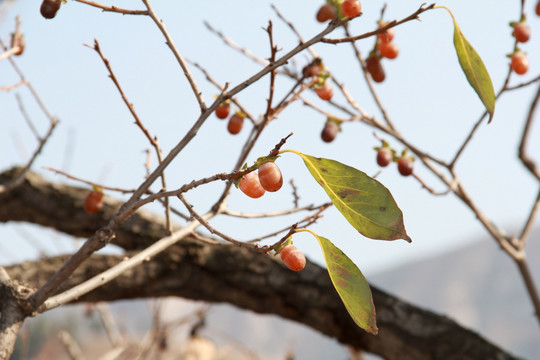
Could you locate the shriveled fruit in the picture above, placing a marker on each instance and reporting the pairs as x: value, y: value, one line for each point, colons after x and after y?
x: 251, y: 186
x: 375, y: 69
x: 405, y: 165
x: 388, y: 50
x: 270, y: 176
x: 520, y: 63
x: 351, y: 8
x: 386, y: 36
x: 315, y: 68
x: 293, y: 258
x: 49, y: 8
x: 326, y: 91
x: 522, y: 32
x: 329, y: 132
x: 326, y: 12
x: 384, y: 156
x: 223, y: 109
x: 93, y: 202
x: 236, y: 122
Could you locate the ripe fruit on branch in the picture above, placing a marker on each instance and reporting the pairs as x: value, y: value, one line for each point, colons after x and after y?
x: 384, y: 156
x: 388, y: 50
x: 405, y: 165
x: 293, y: 258
x: 270, y: 176
x: 251, y: 186
x: 375, y: 69
x: 522, y: 32
x: 223, y: 109
x: 329, y: 132
x: 520, y: 63
x: 93, y: 201
x: 326, y: 12
x: 236, y: 122
x: 386, y: 36
x: 49, y: 8
x: 325, y: 90
x: 351, y: 8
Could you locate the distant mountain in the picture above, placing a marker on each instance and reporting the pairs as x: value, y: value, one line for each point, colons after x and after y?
x: 480, y: 287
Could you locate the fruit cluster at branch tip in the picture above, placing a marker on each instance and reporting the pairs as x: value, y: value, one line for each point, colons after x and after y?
x: 268, y: 177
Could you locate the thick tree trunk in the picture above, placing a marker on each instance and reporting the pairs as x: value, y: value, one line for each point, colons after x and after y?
x: 224, y: 273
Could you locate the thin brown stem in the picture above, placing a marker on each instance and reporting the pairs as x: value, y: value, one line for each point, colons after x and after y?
x: 113, y: 8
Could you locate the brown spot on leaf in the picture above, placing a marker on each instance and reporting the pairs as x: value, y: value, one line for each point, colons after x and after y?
x: 382, y: 209
x: 348, y: 193
x: 324, y: 170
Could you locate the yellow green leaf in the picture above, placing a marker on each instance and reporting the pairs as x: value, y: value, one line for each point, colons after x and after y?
x: 350, y: 284
x: 366, y: 203
x: 475, y: 71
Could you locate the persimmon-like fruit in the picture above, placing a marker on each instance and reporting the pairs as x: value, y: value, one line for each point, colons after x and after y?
x: 49, y: 8
x: 326, y: 91
x: 386, y: 36
x: 537, y: 9
x: 351, y: 8
x: 388, y: 50
x: 329, y: 132
x: 236, y: 122
x: 251, y: 186
x: 522, y: 32
x: 93, y: 202
x: 375, y: 69
x: 384, y: 156
x: 405, y: 165
x: 326, y: 12
x: 293, y: 258
x: 270, y: 176
x: 223, y: 109
x: 520, y: 63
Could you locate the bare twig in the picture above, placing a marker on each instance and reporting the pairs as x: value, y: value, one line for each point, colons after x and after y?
x: 170, y: 42
x: 152, y: 139
x: 113, y: 8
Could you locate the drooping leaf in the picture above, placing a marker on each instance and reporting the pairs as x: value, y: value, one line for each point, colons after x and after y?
x: 352, y: 287
x: 364, y: 202
x: 474, y: 69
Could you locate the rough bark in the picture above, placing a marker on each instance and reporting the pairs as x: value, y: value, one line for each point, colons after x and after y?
x: 225, y: 273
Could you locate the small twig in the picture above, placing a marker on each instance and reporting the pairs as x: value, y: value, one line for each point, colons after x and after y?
x: 391, y: 24
x: 237, y: 47
x: 293, y: 28
x: 170, y: 42
x: 73, y: 349
x: 152, y: 139
x: 26, y: 117
x: 213, y: 230
x: 13, y: 86
x: 296, y: 197
x: 113, y: 8
x: 271, y: 214
x: 111, y: 328
x: 525, y: 158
